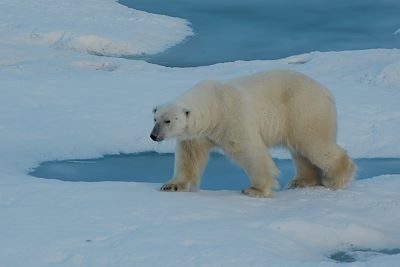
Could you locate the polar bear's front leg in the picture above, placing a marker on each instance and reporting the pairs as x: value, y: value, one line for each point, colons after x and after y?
x: 191, y: 157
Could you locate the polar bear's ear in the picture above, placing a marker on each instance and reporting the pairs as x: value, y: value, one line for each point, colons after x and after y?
x: 187, y: 112
x: 155, y: 109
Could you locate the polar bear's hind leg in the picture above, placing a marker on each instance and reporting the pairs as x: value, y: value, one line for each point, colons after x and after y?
x: 307, y: 174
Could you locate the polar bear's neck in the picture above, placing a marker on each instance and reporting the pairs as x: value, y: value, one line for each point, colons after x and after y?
x: 206, y: 108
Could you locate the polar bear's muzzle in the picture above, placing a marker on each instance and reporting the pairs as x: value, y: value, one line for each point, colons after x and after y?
x: 155, y: 133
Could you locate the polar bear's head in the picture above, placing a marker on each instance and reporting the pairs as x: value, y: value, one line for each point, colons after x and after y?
x: 170, y: 120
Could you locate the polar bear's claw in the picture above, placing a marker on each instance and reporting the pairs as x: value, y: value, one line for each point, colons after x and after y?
x: 175, y: 187
x: 169, y: 187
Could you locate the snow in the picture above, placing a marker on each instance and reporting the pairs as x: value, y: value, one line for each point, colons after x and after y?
x: 59, y: 102
x: 390, y: 75
x: 75, y: 26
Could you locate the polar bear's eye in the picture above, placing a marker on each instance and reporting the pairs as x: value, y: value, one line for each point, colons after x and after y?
x: 155, y: 120
x: 167, y: 121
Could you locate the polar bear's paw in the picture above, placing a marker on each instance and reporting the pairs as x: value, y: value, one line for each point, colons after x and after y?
x: 176, y: 187
x: 254, y: 192
x: 300, y: 182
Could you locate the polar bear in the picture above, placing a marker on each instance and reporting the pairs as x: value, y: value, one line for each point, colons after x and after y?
x: 246, y: 116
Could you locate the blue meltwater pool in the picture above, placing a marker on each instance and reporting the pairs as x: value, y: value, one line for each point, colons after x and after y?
x: 269, y: 29
x: 151, y: 167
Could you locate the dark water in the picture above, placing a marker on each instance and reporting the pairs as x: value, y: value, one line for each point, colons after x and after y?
x: 229, y: 30
x: 151, y: 167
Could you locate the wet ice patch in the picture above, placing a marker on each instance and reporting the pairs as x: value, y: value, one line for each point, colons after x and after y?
x: 359, y: 254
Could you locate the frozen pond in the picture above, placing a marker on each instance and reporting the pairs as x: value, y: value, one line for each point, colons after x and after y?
x: 270, y: 29
x: 151, y: 167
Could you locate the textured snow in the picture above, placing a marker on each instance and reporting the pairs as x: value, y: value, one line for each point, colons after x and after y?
x: 57, y: 103
x: 100, y: 27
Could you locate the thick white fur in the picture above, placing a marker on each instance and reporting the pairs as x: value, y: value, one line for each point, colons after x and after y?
x: 245, y: 117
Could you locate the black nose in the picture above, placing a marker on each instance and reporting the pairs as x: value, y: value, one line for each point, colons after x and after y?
x: 153, y: 137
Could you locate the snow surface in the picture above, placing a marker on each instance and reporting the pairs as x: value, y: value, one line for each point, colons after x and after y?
x: 58, y: 102
x: 100, y: 27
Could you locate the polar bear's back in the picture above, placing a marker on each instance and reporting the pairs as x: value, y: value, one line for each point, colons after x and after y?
x: 280, y: 83
x: 297, y: 102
